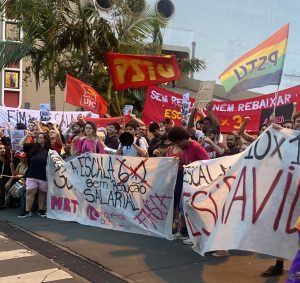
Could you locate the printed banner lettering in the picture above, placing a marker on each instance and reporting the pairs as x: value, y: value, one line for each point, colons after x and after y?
x: 113, y: 192
x: 161, y: 103
x: 248, y: 201
x: 135, y: 71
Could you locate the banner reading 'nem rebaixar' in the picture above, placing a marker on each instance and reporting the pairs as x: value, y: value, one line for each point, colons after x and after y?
x: 161, y: 103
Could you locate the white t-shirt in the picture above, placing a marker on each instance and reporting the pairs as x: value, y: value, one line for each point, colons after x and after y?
x: 199, y: 135
x: 131, y: 151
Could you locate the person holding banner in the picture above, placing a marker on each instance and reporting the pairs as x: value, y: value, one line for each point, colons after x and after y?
x: 190, y: 151
x: 36, y: 179
x: 278, y: 268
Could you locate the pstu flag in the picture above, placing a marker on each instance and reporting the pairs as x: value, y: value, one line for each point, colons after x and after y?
x: 259, y: 67
x: 81, y: 94
x: 135, y: 71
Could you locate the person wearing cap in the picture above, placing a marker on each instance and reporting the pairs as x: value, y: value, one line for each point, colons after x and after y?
x: 18, y: 175
x: 51, y: 123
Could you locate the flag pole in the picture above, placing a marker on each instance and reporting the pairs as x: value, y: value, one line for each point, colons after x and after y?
x: 275, y: 105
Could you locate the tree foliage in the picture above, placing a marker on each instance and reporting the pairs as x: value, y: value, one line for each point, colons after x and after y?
x: 71, y: 37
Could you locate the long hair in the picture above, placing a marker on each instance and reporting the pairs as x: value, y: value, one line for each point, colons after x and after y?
x: 36, y: 147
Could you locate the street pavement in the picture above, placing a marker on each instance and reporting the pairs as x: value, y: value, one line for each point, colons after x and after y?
x: 127, y: 257
x: 20, y: 264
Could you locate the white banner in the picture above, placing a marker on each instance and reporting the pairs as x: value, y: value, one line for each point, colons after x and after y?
x: 130, y: 194
x: 248, y: 201
x: 16, y: 115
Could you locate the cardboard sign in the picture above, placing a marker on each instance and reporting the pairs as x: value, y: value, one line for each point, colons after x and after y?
x: 204, y: 94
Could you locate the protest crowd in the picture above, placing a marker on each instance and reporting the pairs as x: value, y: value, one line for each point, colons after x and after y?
x: 24, y: 183
x: 188, y: 133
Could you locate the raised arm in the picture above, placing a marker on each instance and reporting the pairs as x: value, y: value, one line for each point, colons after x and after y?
x: 242, y: 132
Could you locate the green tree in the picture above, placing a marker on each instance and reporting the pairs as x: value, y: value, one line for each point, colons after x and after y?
x: 44, y: 24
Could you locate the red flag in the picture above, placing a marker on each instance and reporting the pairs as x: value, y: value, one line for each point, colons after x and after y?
x: 134, y: 71
x: 81, y: 94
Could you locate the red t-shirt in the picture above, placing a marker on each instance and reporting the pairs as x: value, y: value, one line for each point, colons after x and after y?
x: 178, y: 154
x: 56, y: 146
x: 193, y: 152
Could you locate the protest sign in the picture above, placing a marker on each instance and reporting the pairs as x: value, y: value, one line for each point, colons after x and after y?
x: 113, y: 192
x: 45, y: 112
x: 282, y: 113
x: 16, y: 136
x: 16, y: 115
x: 185, y: 107
x: 204, y: 94
x: 161, y: 103
x: 127, y: 109
x: 248, y: 201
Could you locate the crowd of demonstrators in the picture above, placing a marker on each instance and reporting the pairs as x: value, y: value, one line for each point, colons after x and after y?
x: 189, y: 142
x: 90, y: 142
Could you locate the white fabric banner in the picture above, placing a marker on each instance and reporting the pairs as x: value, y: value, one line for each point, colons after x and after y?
x: 130, y: 194
x: 248, y: 201
x: 17, y: 115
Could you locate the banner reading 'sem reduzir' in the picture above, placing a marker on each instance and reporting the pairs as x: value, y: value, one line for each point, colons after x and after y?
x: 135, y: 71
x: 113, y: 192
x: 248, y: 201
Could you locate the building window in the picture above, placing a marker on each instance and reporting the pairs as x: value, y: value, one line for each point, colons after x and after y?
x: 11, y: 79
x: 104, y: 4
x: 165, y: 8
x: 136, y: 6
x: 12, y: 32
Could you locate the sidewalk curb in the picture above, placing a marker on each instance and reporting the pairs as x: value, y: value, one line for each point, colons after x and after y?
x: 25, y: 237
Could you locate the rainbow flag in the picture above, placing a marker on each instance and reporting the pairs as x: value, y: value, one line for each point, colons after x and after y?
x: 259, y: 67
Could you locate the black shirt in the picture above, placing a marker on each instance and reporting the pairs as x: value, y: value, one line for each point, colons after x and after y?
x: 37, y: 162
x: 112, y: 142
x: 232, y: 151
